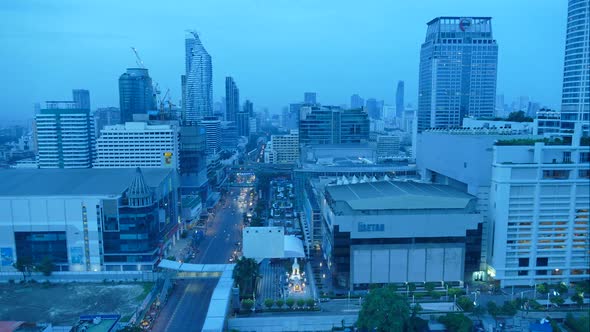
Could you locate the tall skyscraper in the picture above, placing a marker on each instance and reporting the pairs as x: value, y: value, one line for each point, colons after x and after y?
x: 82, y: 97
x: 232, y: 99
x: 136, y: 94
x: 212, y: 127
x: 65, y: 136
x: 373, y: 108
x: 575, y: 102
x: 309, y: 98
x: 249, y: 107
x: 199, y: 84
x: 356, y: 102
x: 458, y: 67
x: 399, y: 100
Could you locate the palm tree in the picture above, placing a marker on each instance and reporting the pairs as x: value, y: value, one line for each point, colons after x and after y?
x: 245, y: 275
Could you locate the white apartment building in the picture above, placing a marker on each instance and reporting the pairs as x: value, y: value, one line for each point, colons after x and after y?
x: 137, y: 144
x: 282, y: 149
x: 65, y: 136
x: 539, y: 209
x: 387, y: 146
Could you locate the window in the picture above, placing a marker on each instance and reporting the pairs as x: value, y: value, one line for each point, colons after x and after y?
x: 522, y: 262
x: 584, y: 174
x: 542, y: 261
x: 557, y: 174
x: 567, y: 157
x: 584, y: 157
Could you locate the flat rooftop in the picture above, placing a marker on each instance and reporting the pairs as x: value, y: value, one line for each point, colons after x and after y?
x: 75, y: 182
x: 398, y: 195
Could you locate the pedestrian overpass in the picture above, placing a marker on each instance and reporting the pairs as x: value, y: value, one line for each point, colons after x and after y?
x: 220, y: 299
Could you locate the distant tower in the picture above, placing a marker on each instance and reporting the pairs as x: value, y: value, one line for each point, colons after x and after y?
x: 199, y: 84
x: 450, y: 87
x: 136, y: 94
x: 575, y: 102
x: 82, y: 98
x: 232, y: 99
x: 399, y: 100
x: 65, y: 136
x: 356, y: 102
x: 309, y: 98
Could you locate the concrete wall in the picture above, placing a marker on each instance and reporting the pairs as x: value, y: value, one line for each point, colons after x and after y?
x: 406, y: 263
x: 263, y: 242
x: 37, y: 214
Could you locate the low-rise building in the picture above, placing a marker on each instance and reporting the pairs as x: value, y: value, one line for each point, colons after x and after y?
x: 282, y: 149
x: 88, y: 219
x: 385, y: 232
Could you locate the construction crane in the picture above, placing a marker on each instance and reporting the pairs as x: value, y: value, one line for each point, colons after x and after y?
x: 138, y: 60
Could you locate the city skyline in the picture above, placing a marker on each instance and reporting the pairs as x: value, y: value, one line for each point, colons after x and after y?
x: 388, y: 55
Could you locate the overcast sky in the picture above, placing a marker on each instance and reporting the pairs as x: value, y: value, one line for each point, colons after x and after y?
x: 275, y: 49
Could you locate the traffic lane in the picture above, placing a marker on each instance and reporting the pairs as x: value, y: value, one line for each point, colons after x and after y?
x: 169, y: 307
x: 192, y: 309
x: 221, y: 246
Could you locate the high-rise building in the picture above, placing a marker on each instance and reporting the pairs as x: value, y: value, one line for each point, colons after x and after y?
x: 199, y: 76
x: 399, y: 100
x: 82, y: 97
x: 136, y: 94
x: 373, y: 108
x: 387, y: 146
x: 249, y: 107
x: 229, y: 135
x: 137, y: 144
x: 575, y: 102
x: 332, y: 125
x: 106, y: 116
x: 232, y: 99
x: 212, y: 127
x: 243, y: 124
x: 356, y: 102
x: 309, y: 98
x: 64, y: 135
x: 193, y: 161
x: 451, y: 86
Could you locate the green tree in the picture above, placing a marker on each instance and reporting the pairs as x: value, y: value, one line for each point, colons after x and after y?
x: 519, y: 116
x: 456, y: 322
x: 435, y: 295
x: 493, y: 309
x: 131, y: 328
x: 479, y: 311
x: 581, y: 324
x: 280, y: 303
x: 430, y: 286
x: 557, y: 300
x: 509, y: 308
x: 300, y: 302
x: 24, y: 265
x: 310, y: 302
x: 384, y: 311
x: 578, y: 299
x: 465, y: 303
x: 268, y: 303
x: 247, y: 304
x: 290, y: 302
x: 46, y: 266
x: 245, y: 274
x: 411, y: 287
x: 543, y: 288
x: 455, y: 291
x: 561, y: 288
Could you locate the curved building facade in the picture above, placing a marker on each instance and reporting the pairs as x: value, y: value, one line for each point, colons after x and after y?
x: 199, y: 84
x: 575, y: 105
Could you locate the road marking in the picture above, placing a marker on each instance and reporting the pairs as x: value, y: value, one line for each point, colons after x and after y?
x: 177, y: 307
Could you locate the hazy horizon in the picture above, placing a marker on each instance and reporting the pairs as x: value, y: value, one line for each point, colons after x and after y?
x: 275, y: 51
